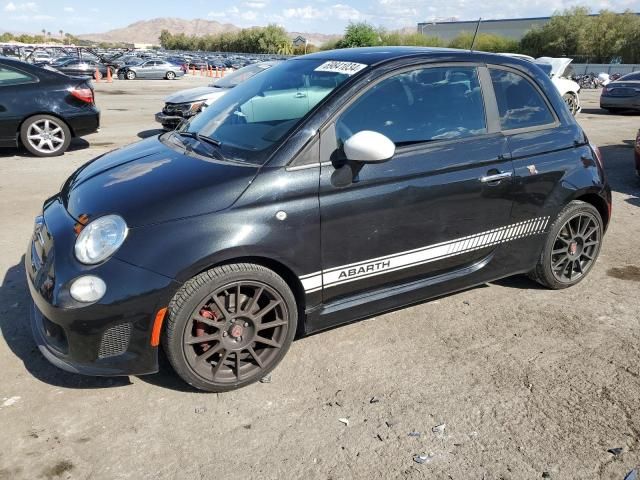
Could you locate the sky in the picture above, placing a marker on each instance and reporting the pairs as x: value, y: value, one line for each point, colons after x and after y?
x: 322, y: 16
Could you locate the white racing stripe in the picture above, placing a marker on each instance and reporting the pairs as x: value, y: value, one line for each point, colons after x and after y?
x: 390, y: 263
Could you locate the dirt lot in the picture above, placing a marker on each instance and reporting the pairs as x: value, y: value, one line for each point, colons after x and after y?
x: 530, y: 383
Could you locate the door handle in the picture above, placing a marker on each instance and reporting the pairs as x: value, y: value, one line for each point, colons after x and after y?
x: 496, y: 177
x: 300, y: 95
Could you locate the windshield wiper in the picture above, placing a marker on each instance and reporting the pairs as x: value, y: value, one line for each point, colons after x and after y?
x: 200, y: 138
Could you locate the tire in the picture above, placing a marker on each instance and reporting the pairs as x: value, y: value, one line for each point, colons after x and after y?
x: 45, y: 135
x: 131, y: 75
x: 242, y: 345
x: 571, y: 99
x: 170, y: 75
x: 121, y: 76
x: 563, y: 234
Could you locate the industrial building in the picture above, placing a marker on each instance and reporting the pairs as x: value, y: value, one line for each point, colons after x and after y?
x: 514, y: 28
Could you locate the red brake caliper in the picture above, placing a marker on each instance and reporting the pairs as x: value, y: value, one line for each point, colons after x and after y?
x: 201, y: 327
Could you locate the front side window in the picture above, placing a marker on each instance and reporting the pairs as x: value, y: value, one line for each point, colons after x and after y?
x: 9, y: 76
x: 520, y: 104
x: 423, y: 105
x: 252, y: 119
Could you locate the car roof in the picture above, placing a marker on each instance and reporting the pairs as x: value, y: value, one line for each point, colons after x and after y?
x: 377, y: 55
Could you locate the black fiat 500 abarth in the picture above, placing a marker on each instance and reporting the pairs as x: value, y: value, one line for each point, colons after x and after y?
x: 330, y: 188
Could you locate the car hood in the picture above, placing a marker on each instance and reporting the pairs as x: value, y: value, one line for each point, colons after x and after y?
x: 558, y: 65
x: 193, y: 94
x: 148, y: 182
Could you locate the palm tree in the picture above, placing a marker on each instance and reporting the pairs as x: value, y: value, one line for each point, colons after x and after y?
x: 44, y: 34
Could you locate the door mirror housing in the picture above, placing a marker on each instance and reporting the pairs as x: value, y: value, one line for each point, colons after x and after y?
x: 369, y: 147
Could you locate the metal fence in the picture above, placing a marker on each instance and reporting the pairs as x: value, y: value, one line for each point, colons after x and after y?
x: 621, y: 68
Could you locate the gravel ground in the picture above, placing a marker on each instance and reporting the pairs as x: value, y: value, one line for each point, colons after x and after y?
x: 529, y: 383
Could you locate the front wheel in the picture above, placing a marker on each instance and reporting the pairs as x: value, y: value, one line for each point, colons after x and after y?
x: 170, y: 75
x: 571, y: 99
x: 571, y: 248
x: 230, y: 326
x: 131, y: 75
x: 45, y: 136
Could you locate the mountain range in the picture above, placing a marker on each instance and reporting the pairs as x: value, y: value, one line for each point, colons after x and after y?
x: 148, y: 31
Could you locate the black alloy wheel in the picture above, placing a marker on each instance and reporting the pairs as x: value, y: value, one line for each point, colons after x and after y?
x: 572, y: 246
x: 232, y: 329
x: 576, y: 247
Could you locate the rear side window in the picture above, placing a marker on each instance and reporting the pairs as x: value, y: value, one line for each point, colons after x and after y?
x: 520, y: 104
x: 418, y: 106
x: 9, y: 76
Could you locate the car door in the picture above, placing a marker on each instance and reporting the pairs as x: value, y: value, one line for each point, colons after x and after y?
x: 546, y: 146
x: 440, y: 205
x: 14, y: 83
x: 145, y: 70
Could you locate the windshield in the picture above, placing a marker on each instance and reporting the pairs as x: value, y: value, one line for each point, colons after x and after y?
x: 241, y: 75
x: 252, y: 118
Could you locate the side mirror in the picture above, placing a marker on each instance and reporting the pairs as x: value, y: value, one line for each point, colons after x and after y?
x: 369, y: 147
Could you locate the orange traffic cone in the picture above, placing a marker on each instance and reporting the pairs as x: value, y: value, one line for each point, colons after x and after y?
x: 109, y: 79
x: 223, y: 72
x: 97, y: 75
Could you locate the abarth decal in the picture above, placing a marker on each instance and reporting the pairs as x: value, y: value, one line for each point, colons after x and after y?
x: 411, y: 258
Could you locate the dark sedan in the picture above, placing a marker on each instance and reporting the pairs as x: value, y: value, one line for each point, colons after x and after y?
x: 623, y: 94
x: 83, y: 67
x: 43, y: 109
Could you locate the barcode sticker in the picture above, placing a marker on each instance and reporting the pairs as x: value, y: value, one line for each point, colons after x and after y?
x: 334, y: 66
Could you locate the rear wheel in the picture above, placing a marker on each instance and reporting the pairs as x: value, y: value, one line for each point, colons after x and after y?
x: 230, y: 326
x: 131, y: 75
x: 170, y: 75
x: 571, y: 248
x: 45, y: 136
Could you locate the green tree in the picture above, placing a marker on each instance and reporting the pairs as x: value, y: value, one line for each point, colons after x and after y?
x: 359, y: 35
x: 485, y: 42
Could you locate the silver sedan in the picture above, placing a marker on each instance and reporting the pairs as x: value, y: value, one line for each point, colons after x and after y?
x: 151, y: 69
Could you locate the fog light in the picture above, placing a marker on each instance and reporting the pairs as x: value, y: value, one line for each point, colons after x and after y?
x: 88, y: 289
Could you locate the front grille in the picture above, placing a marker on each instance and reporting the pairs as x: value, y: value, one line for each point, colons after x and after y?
x: 173, y: 109
x: 115, y: 341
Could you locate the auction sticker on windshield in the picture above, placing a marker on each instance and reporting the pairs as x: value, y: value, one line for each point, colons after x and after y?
x: 348, y: 68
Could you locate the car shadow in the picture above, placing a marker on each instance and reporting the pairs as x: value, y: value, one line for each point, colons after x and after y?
x: 150, y: 133
x: 602, y: 111
x: 16, y: 332
x: 19, y: 151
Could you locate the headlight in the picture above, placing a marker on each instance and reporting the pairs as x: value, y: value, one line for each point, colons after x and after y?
x: 189, y: 108
x: 100, y: 239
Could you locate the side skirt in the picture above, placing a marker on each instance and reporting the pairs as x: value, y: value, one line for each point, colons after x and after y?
x: 385, y: 299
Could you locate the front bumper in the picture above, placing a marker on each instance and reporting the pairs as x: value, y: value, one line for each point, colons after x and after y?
x: 169, y: 122
x: 109, y: 337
